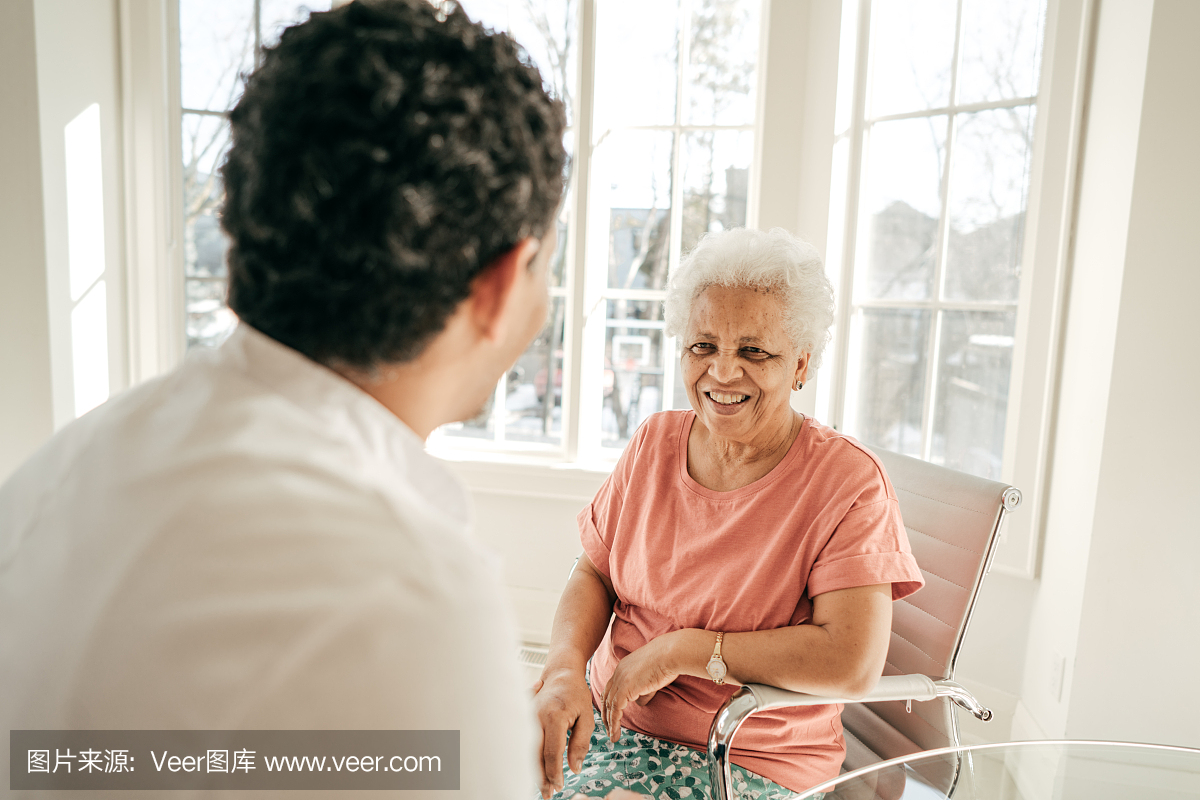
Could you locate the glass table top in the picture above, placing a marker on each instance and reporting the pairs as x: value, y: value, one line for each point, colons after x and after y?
x: 1044, y: 770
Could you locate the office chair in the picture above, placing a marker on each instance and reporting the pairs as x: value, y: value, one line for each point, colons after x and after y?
x: 953, y: 521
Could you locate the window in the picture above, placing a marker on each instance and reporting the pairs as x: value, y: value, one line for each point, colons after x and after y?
x: 670, y: 124
x: 218, y: 43
x: 911, y: 326
x: 934, y: 124
x: 668, y: 117
x: 934, y: 133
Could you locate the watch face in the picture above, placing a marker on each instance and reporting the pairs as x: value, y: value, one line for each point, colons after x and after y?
x: 716, y: 670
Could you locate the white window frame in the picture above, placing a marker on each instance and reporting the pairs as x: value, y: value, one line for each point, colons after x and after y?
x: 1045, y: 271
x: 153, y: 186
x: 585, y: 292
x: 794, y: 134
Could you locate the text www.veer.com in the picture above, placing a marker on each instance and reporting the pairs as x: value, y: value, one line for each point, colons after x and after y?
x: 353, y: 764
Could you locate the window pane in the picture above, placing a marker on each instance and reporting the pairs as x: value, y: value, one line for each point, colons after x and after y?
x: 209, y: 321
x: 216, y: 44
x: 558, y: 264
x: 547, y: 31
x: 275, y: 15
x: 637, y: 56
x: 912, y: 47
x: 989, y: 178
x: 889, y: 382
x: 481, y: 426
x: 533, y: 403
x: 1001, y: 49
x: 974, y: 364
x: 633, y: 181
x: 716, y: 179
x: 633, y: 368
x: 900, y: 208
x: 722, y: 59
x: 680, y: 398
x: 205, y: 140
x: 557, y: 275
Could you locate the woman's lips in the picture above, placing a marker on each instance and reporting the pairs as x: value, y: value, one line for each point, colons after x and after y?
x: 726, y: 403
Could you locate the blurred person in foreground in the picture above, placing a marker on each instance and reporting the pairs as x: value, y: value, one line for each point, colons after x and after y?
x: 258, y: 540
x: 738, y: 542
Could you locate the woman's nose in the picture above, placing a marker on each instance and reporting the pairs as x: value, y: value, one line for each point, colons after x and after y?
x: 725, y: 368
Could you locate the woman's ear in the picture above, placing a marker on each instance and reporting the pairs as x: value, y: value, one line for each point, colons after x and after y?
x: 493, y: 288
x: 802, y: 367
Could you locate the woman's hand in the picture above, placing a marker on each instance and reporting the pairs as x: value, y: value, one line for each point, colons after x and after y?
x: 563, y: 703
x: 637, y: 678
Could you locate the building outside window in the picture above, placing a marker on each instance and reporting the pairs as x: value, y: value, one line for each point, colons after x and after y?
x: 934, y: 137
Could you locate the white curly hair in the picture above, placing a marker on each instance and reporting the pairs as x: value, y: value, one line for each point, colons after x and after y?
x: 741, y: 257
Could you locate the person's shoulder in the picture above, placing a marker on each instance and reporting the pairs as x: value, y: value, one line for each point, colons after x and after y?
x: 663, y: 424
x: 856, y: 467
x: 658, y: 435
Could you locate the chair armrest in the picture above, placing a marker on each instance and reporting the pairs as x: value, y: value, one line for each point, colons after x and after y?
x: 889, y: 687
x: 757, y: 697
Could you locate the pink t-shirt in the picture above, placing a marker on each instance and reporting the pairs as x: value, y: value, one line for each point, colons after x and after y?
x: 683, y: 556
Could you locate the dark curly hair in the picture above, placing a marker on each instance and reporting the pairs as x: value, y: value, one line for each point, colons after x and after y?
x: 383, y: 154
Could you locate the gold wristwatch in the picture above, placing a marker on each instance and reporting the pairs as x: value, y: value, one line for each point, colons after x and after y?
x: 716, y: 665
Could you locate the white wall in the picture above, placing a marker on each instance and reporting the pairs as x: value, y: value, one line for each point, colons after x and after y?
x: 1120, y: 577
x: 77, y: 66
x: 1142, y: 586
x: 527, y: 515
x: 57, y: 57
x: 25, y: 393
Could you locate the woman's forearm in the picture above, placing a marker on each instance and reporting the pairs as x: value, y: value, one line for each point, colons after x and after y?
x: 841, y: 653
x: 581, y: 619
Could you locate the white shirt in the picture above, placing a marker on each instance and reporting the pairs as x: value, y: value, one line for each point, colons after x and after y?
x: 253, y: 542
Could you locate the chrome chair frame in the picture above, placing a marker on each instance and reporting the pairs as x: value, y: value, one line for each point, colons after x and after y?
x: 750, y: 699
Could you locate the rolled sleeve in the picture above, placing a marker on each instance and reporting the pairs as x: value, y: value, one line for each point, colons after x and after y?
x: 869, y: 547
x: 593, y: 543
x: 868, y: 569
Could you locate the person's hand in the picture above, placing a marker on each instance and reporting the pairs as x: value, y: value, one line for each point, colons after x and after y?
x: 637, y: 678
x: 563, y: 703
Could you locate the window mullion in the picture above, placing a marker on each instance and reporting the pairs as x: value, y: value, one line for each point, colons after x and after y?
x: 675, y: 245
x: 257, y: 33
x: 577, y: 244
x: 858, y: 135
x: 499, y: 401
x: 684, y: 45
x: 939, y: 264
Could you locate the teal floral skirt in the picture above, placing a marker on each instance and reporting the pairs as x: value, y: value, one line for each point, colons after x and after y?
x: 656, y: 768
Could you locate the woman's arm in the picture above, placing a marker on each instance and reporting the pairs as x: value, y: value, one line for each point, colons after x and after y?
x: 562, y: 700
x: 839, y: 653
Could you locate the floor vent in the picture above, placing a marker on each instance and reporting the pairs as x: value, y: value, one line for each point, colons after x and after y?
x: 532, y: 655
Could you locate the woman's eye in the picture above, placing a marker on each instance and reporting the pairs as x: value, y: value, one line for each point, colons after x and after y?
x: 754, y: 354
x: 701, y: 348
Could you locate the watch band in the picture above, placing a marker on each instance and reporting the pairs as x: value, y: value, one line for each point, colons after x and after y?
x: 716, y: 664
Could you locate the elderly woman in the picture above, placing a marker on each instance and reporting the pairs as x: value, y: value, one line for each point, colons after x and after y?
x: 738, y: 542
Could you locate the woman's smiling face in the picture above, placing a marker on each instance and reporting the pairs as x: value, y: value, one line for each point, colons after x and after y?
x: 739, y: 364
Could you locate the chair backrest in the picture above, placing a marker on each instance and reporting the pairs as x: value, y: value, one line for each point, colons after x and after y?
x: 953, y: 520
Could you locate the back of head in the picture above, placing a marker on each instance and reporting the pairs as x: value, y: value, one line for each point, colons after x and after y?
x: 383, y: 155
